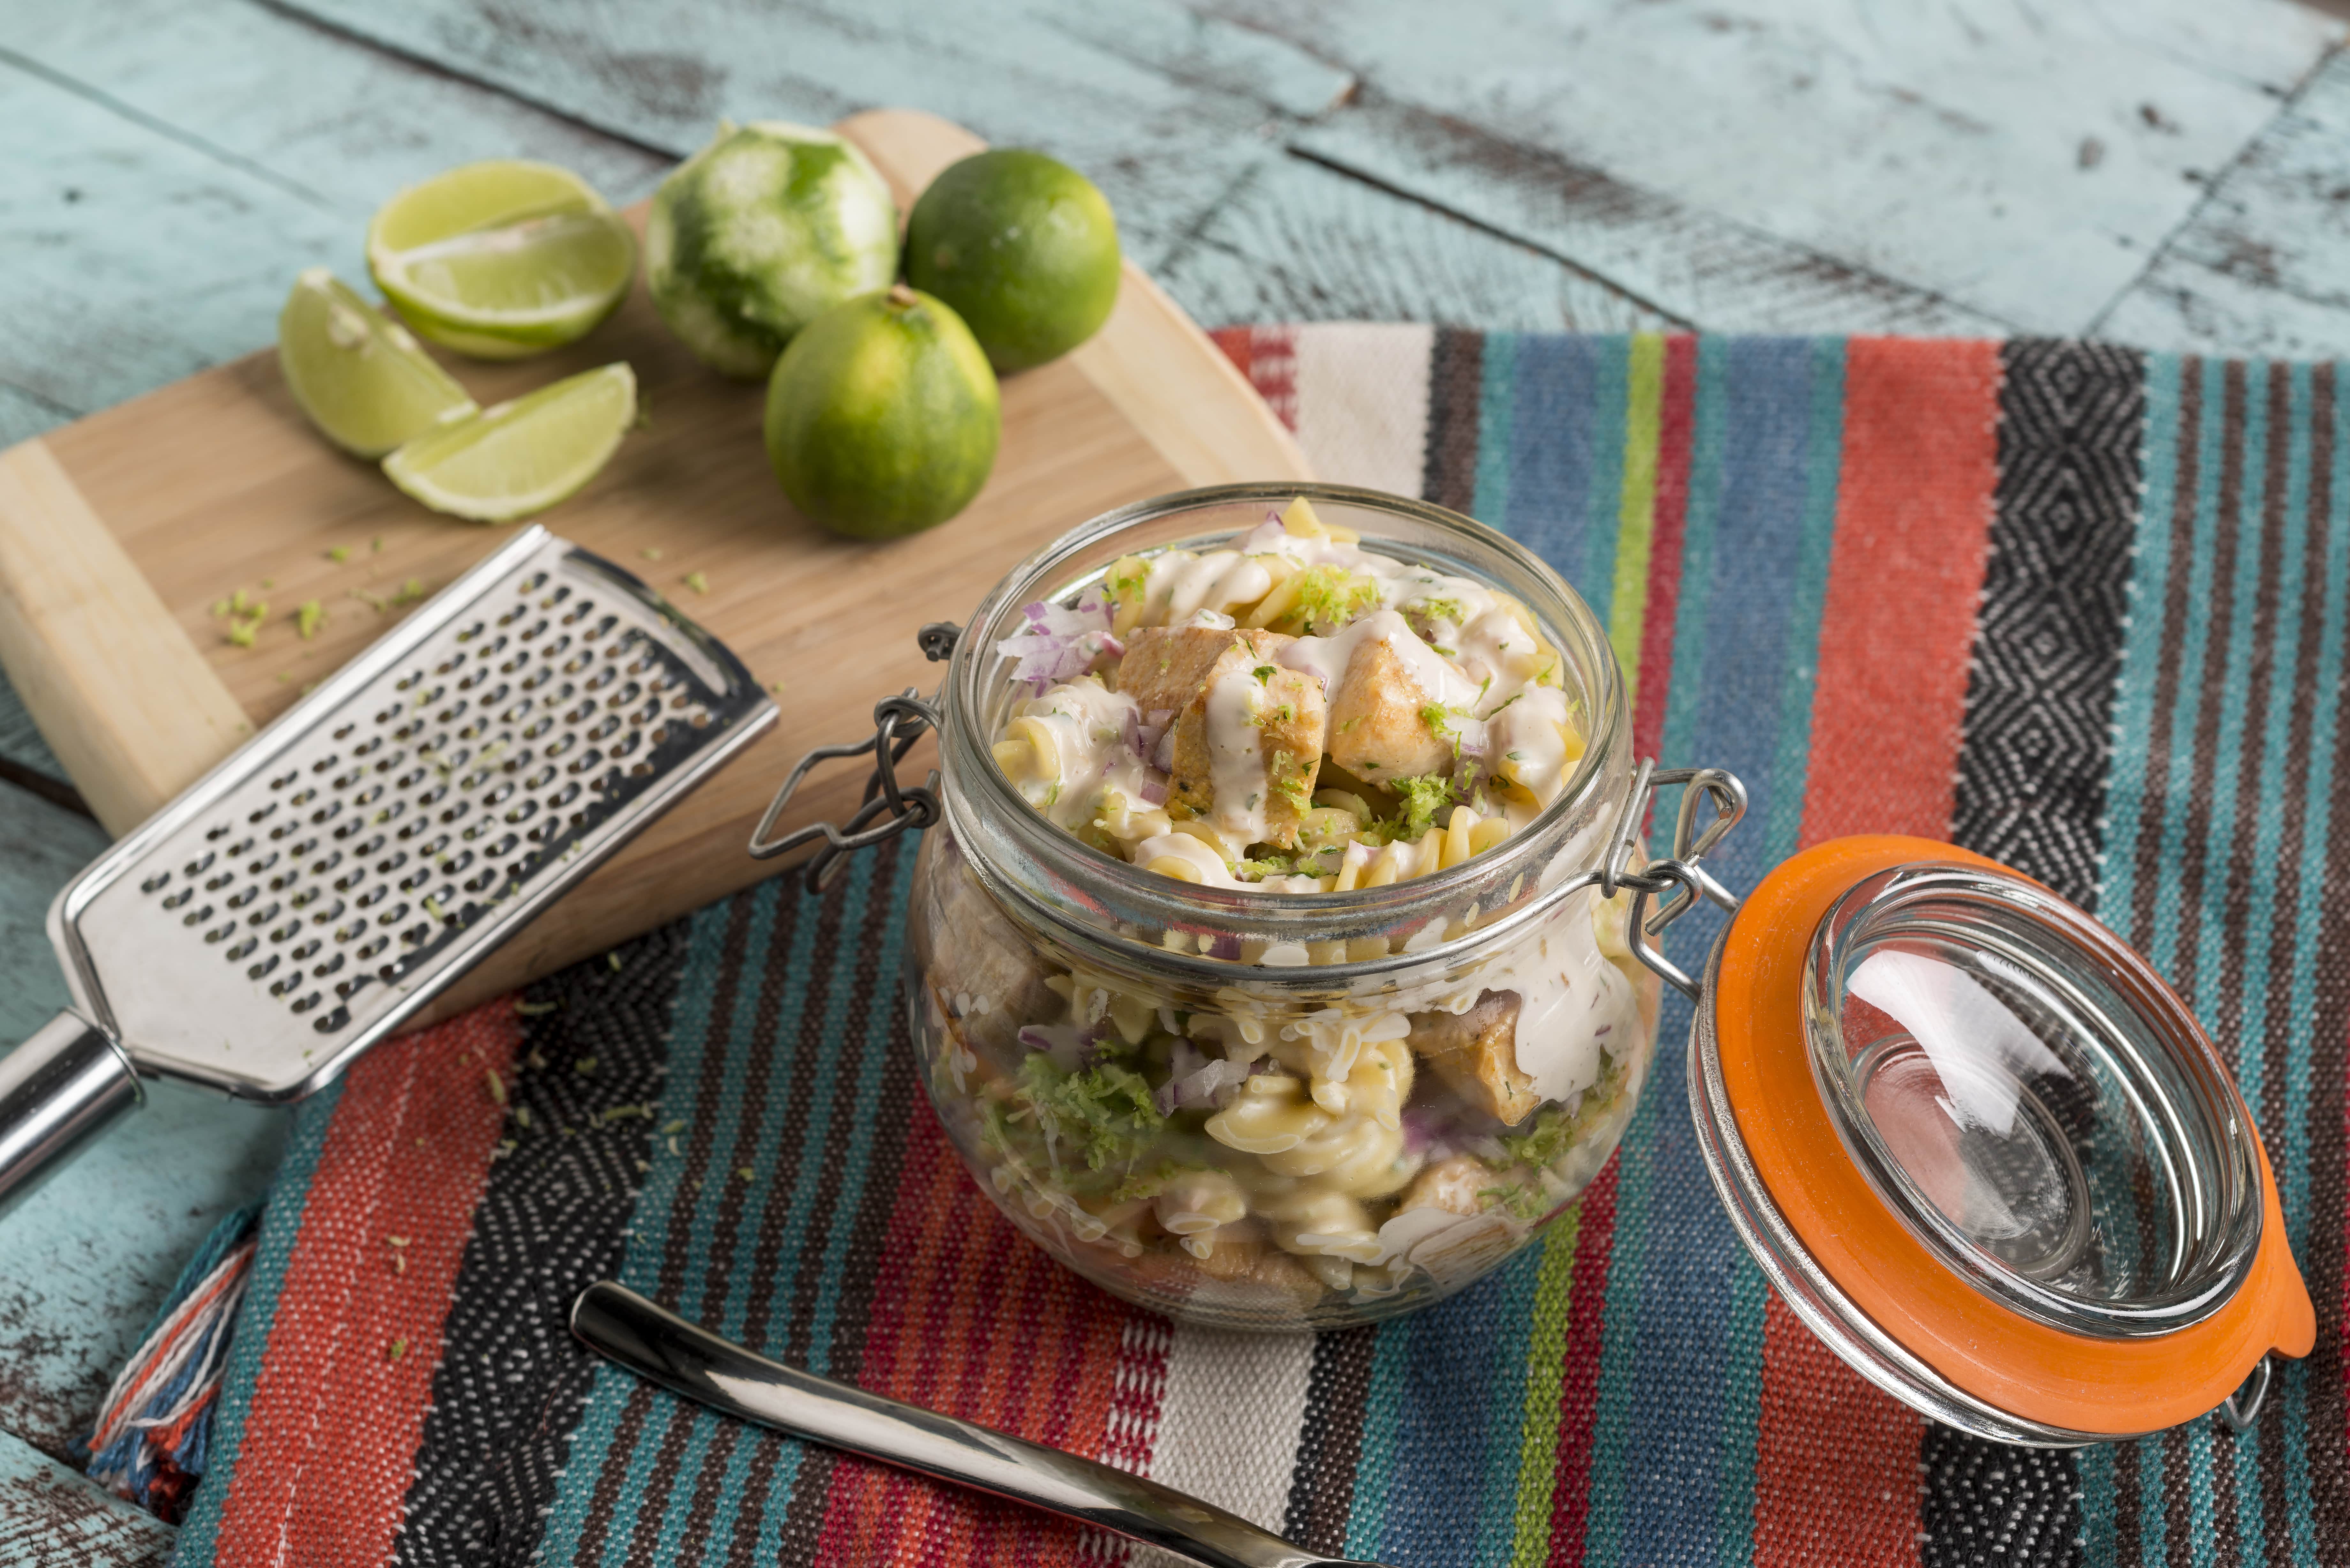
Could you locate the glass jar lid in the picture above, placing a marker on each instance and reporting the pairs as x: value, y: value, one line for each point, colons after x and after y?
x: 1983, y: 1151
x: 2045, y: 1121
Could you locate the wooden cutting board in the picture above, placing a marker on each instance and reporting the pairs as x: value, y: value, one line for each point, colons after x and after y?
x: 119, y: 533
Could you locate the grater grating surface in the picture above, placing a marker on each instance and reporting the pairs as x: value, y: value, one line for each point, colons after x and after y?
x: 364, y: 850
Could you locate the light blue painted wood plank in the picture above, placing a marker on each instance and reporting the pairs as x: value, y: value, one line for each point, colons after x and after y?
x: 52, y: 1517
x: 2263, y: 267
x: 1745, y: 162
x: 1164, y: 108
x: 1295, y: 241
x: 323, y: 114
x: 179, y: 164
x: 85, y: 1258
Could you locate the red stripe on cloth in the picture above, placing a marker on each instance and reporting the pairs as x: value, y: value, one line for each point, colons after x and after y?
x: 1675, y: 425
x: 1578, y: 1390
x: 1835, y: 1464
x: 972, y: 1319
x: 1267, y: 356
x: 1234, y: 342
x: 330, y: 1443
x: 1913, y: 529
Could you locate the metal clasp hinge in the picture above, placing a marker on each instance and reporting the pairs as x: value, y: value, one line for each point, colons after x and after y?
x: 1679, y: 871
x: 897, y: 722
x: 2241, y: 1409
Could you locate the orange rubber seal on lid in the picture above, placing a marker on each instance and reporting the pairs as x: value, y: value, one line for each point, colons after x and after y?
x: 2116, y: 1387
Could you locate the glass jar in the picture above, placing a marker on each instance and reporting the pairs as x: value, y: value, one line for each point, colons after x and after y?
x: 1273, y: 1110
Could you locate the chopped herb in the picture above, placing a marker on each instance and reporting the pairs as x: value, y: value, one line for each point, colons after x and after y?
x: 376, y: 544
x: 1441, y: 720
x: 395, y: 1241
x: 1513, y: 756
x: 1105, y: 1111
x: 614, y: 959
x: 395, y: 1350
x: 1264, y: 672
x: 537, y: 1009
x: 1327, y: 596
x: 240, y: 632
x: 411, y: 592
x: 498, y: 1086
x: 220, y: 609
x: 1350, y: 724
x: 1505, y: 702
x: 696, y: 581
x: 308, y: 619
x: 522, y: 1115
x: 339, y: 553
x: 268, y: 583
x: 650, y: 553
x: 745, y: 1172
x: 1423, y: 797
x: 585, y: 1064
x: 673, y: 1127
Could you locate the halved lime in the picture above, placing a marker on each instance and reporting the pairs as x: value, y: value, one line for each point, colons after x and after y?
x: 502, y: 259
x: 518, y: 458
x: 362, y: 380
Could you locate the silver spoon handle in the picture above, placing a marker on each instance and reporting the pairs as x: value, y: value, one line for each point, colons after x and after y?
x: 687, y: 1359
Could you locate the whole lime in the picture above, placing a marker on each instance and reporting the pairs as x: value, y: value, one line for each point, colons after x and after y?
x: 882, y: 417
x: 1023, y: 247
x: 759, y: 234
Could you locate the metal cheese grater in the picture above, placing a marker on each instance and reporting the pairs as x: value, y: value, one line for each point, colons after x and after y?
x: 358, y: 855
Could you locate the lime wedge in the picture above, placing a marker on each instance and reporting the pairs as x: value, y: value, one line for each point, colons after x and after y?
x: 362, y: 380
x: 510, y: 461
x: 502, y: 259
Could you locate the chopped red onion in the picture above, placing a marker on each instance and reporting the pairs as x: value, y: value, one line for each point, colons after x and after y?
x: 1061, y: 642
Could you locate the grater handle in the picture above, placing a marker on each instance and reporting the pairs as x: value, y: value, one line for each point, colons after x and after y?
x: 56, y: 1089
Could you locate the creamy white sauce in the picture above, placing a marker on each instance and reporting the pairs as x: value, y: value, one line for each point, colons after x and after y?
x: 1571, y: 1001
x: 1089, y: 724
x: 1236, y: 754
x: 1181, y: 583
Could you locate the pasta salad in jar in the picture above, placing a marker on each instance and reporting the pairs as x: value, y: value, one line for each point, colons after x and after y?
x: 1258, y: 968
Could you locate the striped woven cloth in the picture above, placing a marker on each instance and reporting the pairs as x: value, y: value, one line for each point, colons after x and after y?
x: 2079, y: 609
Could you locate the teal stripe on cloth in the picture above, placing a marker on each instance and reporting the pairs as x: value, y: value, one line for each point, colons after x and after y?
x: 1497, y: 407
x: 2142, y: 647
x: 281, y: 1225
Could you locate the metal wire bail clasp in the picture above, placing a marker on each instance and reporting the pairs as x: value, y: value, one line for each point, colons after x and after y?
x: 1679, y: 871
x: 897, y: 722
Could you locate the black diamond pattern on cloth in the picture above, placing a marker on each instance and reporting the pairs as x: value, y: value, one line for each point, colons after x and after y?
x: 553, y: 1217
x: 2048, y: 639
x: 2032, y: 793
x: 1987, y: 1504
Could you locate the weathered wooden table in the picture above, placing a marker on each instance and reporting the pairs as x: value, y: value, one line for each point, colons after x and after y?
x: 2172, y: 173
